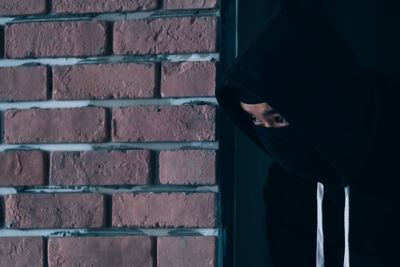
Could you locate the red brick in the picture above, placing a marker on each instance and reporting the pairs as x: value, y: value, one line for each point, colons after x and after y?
x: 164, y: 123
x: 198, y: 167
x: 188, y: 79
x: 22, y: 168
x: 184, y: 4
x: 163, y: 210
x: 79, y: 6
x: 72, y: 210
x: 21, y: 251
x: 183, y: 251
x: 23, y: 83
x: 22, y: 7
x: 100, y: 167
x: 166, y: 35
x: 104, y: 251
x: 55, y: 39
x: 55, y: 125
x: 104, y: 81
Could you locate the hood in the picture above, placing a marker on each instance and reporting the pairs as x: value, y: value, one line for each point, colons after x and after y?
x: 310, y: 75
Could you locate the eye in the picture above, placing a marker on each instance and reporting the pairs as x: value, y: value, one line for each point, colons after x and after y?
x: 280, y: 119
x: 254, y: 119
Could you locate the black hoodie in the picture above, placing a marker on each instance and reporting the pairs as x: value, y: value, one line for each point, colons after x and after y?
x: 311, y: 69
x: 331, y: 68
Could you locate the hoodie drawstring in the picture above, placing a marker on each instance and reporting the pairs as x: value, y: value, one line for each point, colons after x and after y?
x: 346, y: 261
x: 320, y: 232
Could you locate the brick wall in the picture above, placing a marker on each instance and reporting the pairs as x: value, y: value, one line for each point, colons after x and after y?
x: 108, y: 133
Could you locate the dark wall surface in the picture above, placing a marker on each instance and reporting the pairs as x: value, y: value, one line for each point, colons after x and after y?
x: 251, y: 165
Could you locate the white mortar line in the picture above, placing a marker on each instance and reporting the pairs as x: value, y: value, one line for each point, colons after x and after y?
x: 8, y: 191
x: 156, y: 189
x: 112, y: 146
x: 157, y: 14
x: 192, y: 57
x: 110, y: 189
x: 110, y: 232
x: 63, y: 61
x: 111, y: 16
x: 44, y: 104
x: 5, y: 20
x: 108, y: 103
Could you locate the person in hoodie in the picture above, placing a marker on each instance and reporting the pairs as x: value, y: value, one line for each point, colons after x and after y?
x: 290, y: 221
x: 318, y: 92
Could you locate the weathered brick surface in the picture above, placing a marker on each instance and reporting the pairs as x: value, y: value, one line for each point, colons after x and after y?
x: 23, y: 83
x: 107, y: 80
x: 163, y: 210
x: 100, y: 167
x: 55, y: 125
x: 183, y: 251
x: 21, y: 251
x: 165, y: 35
x: 105, y: 251
x: 184, y: 4
x: 60, y: 210
x: 22, y: 168
x: 52, y: 39
x: 104, y: 81
x: 187, y: 167
x: 164, y: 123
x: 79, y: 6
x: 188, y: 79
x: 22, y: 7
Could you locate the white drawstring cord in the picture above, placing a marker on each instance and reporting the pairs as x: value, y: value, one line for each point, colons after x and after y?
x: 320, y: 233
x: 346, y: 261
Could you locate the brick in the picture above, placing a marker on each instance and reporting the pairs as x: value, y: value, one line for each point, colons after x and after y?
x: 101, y: 251
x: 188, y: 79
x: 21, y: 251
x: 164, y: 123
x: 104, y: 81
x: 198, y: 167
x: 100, y: 167
x: 185, y: 4
x: 79, y: 6
x: 64, y: 210
x: 22, y: 168
x: 183, y: 251
x: 55, y: 125
x: 163, y: 210
x: 23, y: 83
x: 22, y: 7
x: 55, y: 39
x: 165, y: 35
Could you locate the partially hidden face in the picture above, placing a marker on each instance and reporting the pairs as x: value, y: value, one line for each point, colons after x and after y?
x: 263, y: 114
